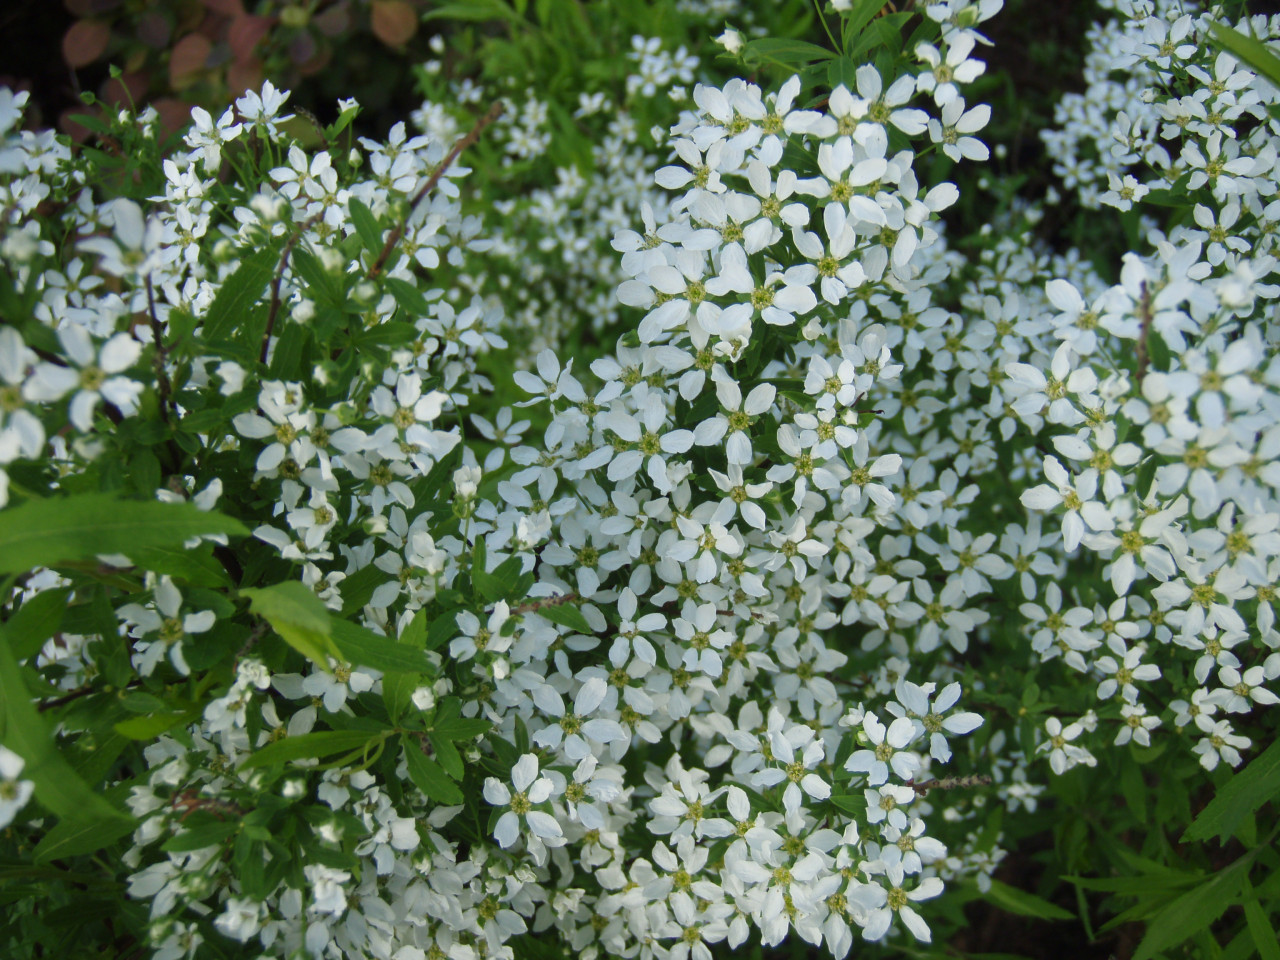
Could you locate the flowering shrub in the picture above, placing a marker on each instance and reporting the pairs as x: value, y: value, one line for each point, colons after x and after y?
x: 336, y: 628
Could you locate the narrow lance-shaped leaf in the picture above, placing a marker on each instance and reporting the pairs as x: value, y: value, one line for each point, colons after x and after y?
x: 57, y: 786
x: 1244, y: 793
x: 240, y: 291
x: 42, y: 533
x: 300, y: 618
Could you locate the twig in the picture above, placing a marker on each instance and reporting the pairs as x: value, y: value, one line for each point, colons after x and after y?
x: 535, y: 605
x: 494, y: 112
x: 1145, y: 315
x: 158, y: 361
x: 949, y: 783
x: 76, y: 695
x: 275, y: 283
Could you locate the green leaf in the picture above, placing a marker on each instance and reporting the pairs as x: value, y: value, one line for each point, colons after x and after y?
x: 362, y: 646
x: 1260, y: 929
x: 409, y: 297
x: 397, y: 691
x: 150, y: 727
x: 1161, y: 355
x: 842, y: 72
x: 789, y: 53
x: 308, y: 267
x: 300, y: 618
x: 852, y: 803
x: 429, y: 776
x: 24, y: 731
x: 240, y: 291
x: 209, y: 835
x: 358, y: 588
x: 197, y: 567
x: 475, y: 10
x: 461, y: 728
x: 1249, y: 51
x: 366, y: 225
x: 502, y: 583
x: 857, y: 17
x: 415, y: 632
x: 41, y: 533
x: 1244, y: 793
x: 568, y: 615
x: 72, y: 837
x: 448, y: 755
x: 442, y: 628
x: 1195, y: 910
x: 1024, y: 904
x: 35, y: 622
x: 324, y: 743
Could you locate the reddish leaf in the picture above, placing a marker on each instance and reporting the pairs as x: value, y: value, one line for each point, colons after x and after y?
x: 190, y: 56
x: 174, y: 115
x: 228, y: 8
x: 85, y: 42
x: 131, y: 87
x: 394, y: 22
x: 154, y: 30
x: 244, y: 75
x: 302, y: 48
x: 334, y: 21
x: 245, y: 32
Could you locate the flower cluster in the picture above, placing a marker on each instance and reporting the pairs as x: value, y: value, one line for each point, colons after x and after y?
x: 664, y: 647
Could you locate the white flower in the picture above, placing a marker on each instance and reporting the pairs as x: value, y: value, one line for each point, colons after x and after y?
x: 929, y: 717
x: 92, y: 375
x: 735, y: 419
x: 887, y: 749
x: 14, y: 793
x: 530, y: 790
x: 164, y: 628
x: 1063, y: 754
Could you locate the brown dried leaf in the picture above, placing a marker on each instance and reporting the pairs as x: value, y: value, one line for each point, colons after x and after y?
x: 85, y: 42
x: 394, y: 22
x: 190, y: 56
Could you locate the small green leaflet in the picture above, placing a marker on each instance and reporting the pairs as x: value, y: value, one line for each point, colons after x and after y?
x: 35, y: 622
x: 362, y: 646
x: 1195, y: 910
x: 428, y: 775
x: 240, y: 291
x: 366, y: 225
x: 1249, y: 51
x: 1244, y: 793
x: 1260, y: 929
x: 41, y: 533
x: 300, y: 618
x: 72, y: 837
x: 1013, y: 900
x: 567, y: 615
x: 448, y: 755
x: 442, y: 628
x: 58, y: 787
x: 324, y: 743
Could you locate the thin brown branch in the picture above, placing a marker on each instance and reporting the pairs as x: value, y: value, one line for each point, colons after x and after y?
x: 158, y: 360
x: 393, y: 238
x: 1145, y: 317
x: 274, y: 309
x: 949, y: 783
x: 533, y: 606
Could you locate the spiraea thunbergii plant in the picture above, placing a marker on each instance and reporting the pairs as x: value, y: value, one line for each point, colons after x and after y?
x: 334, y: 628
